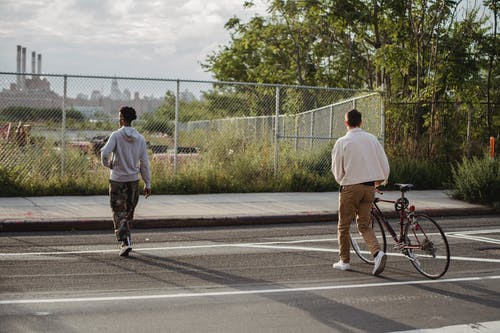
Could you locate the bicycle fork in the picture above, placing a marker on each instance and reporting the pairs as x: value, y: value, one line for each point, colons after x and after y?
x: 422, y: 242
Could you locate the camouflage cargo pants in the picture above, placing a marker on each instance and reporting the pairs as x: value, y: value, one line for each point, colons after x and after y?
x: 123, y: 200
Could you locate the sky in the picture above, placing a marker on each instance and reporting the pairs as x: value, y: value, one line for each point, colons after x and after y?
x: 135, y: 38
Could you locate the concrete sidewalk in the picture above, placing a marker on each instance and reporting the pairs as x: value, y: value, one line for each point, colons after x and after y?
x: 161, y: 211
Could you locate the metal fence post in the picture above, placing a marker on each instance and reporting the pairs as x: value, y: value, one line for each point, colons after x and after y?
x: 176, y: 126
x: 296, y: 139
x: 382, y: 121
x: 311, y: 131
x: 63, y: 126
x: 276, y: 132
x: 330, y: 128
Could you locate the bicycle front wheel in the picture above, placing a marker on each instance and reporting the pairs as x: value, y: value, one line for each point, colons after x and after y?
x: 427, y: 246
x: 358, y: 243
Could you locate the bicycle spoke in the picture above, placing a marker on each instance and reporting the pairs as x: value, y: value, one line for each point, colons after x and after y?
x: 427, y: 247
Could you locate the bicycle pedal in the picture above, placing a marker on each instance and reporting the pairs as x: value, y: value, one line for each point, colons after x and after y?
x: 399, y: 246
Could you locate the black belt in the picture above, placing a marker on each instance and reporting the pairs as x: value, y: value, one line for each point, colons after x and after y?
x: 365, y: 183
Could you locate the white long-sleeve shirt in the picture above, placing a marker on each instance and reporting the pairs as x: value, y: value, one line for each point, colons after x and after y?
x: 358, y: 157
x: 129, y: 156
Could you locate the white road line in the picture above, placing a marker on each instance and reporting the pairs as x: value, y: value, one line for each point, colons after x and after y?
x: 163, y: 248
x: 462, y: 234
x: 295, y: 248
x: 474, y: 232
x: 263, y: 245
x: 240, y: 292
x: 476, y: 238
x: 315, y: 249
x: 478, y: 327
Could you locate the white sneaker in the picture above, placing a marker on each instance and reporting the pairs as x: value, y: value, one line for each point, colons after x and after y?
x: 379, y: 265
x: 343, y: 266
x: 125, y: 248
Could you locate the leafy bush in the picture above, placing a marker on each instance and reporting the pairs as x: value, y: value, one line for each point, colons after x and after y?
x: 8, y: 183
x: 477, y: 180
x: 423, y: 174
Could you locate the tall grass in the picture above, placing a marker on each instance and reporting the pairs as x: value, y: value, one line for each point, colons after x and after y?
x: 228, y: 161
x: 37, y: 170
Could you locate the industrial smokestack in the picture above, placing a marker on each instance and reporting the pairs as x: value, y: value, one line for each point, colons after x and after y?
x: 23, y: 68
x: 33, y: 62
x: 18, y: 59
x: 18, y: 66
x: 39, y: 63
x: 23, y: 60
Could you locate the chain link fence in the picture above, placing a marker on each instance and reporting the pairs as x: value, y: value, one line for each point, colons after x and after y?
x: 53, y: 126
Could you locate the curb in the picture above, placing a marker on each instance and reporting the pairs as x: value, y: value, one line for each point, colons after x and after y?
x: 213, y: 221
x: 154, y: 223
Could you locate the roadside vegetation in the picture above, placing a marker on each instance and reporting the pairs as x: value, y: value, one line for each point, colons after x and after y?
x: 435, y: 64
x: 238, y: 165
x: 477, y: 180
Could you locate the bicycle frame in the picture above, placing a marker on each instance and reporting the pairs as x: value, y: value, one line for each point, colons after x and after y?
x: 419, y: 238
x: 404, y: 215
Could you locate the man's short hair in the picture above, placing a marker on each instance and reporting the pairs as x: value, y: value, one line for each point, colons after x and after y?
x: 128, y: 113
x: 354, y: 118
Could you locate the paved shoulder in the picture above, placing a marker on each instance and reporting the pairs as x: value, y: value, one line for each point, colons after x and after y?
x: 93, y: 212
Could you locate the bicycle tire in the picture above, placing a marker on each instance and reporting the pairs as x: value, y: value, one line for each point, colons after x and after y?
x: 429, y: 251
x: 358, y: 243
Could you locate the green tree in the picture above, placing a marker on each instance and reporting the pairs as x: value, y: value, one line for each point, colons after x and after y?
x: 435, y: 62
x: 30, y: 114
x: 493, y: 49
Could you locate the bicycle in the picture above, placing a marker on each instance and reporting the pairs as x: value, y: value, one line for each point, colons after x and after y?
x: 420, y: 238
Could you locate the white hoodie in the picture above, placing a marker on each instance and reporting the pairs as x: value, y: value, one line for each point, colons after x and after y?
x: 129, y: 156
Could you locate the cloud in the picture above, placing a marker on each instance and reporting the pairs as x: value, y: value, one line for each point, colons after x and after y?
x: 126, y: 37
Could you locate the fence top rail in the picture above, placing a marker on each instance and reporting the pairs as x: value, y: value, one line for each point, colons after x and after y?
x: 272, y: 85
x: 233, y: 118
x: 286, y: 115
x: 344, y: 101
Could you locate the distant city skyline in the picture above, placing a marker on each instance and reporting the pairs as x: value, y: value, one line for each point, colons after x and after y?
x: 166, y: 39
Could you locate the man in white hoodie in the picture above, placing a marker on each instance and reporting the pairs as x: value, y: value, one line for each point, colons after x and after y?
x: 359, y: 165
x: 126, y: 156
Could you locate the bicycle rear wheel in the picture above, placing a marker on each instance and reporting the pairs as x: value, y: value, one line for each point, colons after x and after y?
x: 427, y: 246
x: 358, y: 243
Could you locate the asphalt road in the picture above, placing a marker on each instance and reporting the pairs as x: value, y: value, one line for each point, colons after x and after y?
x: 241, y: 279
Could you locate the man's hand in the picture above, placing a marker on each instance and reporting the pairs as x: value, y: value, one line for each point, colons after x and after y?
x: 147, y: 192
x: 377, y: 184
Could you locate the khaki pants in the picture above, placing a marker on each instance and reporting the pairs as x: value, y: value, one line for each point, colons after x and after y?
x: 123, y: 200
x: 355, y: 202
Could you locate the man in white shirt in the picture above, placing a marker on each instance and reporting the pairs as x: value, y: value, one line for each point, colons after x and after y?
x: 129, y: 158
x: 359, y: 165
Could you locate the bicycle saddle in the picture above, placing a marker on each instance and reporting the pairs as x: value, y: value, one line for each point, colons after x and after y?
x: 404, y: 187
